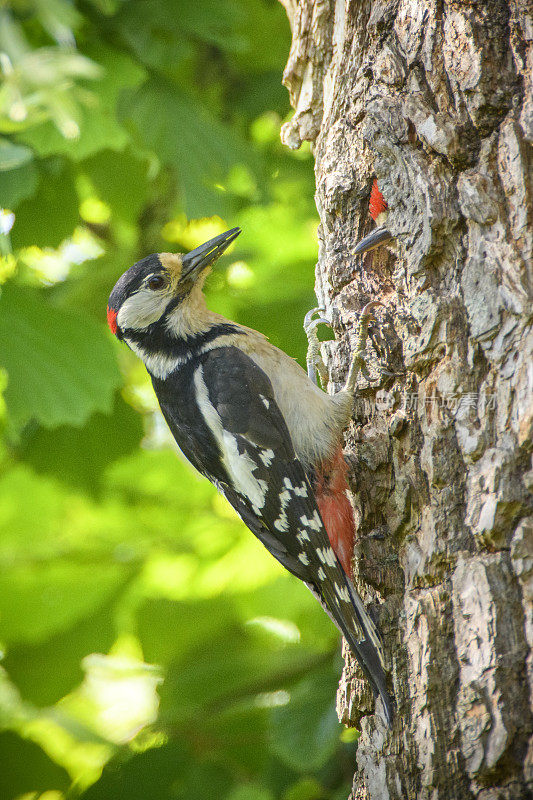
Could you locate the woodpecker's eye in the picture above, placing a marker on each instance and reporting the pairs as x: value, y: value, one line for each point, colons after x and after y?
x: 157, y: 282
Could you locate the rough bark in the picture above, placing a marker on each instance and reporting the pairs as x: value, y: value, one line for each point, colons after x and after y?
x: 435, y: 98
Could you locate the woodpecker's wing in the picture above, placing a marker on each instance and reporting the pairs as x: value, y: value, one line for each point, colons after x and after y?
x: 267, y: 485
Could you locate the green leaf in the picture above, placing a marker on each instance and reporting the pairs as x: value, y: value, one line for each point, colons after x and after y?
x: 120, y: 180
x: 186, y: 136
x: 237, y: 669
x: 61, y: 366
x: 89, y: 284
x: 307, y: 789
x: 82, y: 454
x: 98, y: 124
x: 259, y: 54
x: 13, y: 155
x: 57, y: 594
x: 17, y: 184
x: 160, y: 35
x: 156, y: 774
x: 47, y: 216
x: 170, y: 630
x: 306, y: 730
x: 250, y: 791
x: 107, y: 6
x: 27, y: 769
x: 46, y: 671
x: 240, y: 735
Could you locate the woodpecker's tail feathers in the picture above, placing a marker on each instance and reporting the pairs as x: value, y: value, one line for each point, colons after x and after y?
x: 351, y: 618
x: 369, y: 652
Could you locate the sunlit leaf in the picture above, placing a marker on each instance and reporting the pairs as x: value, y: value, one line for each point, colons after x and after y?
x: 56, y: 594
x: 47, y: 670
x: 98, y: 124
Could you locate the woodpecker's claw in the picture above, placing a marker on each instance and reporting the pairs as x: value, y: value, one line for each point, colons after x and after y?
x: 315, y: 362
x: 308, y: 319
x: 374, y: 239
x: 367, y: 316
x: 366, y: 313
x: 358, y: 361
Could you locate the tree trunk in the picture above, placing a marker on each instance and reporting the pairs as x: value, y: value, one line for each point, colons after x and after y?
x: 434, y: 98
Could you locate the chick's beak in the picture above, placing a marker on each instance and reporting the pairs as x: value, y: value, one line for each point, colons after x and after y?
x: 206, y: 254
x: 374, y: 239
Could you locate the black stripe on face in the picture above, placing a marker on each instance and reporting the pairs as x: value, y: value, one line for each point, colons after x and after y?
x: 157, y: 339
x: 175, y: 302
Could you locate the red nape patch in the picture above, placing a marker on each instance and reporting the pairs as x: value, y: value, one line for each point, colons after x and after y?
x: 112, y: 320
x: 377, y: 203
x: 335, y: 508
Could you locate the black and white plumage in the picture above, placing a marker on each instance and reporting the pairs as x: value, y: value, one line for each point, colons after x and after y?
x: 248, y: 418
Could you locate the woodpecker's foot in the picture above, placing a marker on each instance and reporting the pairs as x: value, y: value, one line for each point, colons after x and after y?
x: 359, y: 356
x: 315, y: 362
x: 372, y: 240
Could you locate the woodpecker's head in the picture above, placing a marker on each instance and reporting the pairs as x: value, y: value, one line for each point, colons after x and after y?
x: 159, y: 285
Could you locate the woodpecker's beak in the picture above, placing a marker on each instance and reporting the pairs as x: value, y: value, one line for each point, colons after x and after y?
x: 194, y: 263
x: 374, y: 239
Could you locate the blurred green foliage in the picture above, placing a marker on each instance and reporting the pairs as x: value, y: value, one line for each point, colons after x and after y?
x: 150, y: 647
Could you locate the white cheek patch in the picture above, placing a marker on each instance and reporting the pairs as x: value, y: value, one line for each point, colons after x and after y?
x: 142, y: 308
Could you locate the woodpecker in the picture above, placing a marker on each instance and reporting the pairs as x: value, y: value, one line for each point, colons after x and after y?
x: 379, y: 212
x: 249, y: 419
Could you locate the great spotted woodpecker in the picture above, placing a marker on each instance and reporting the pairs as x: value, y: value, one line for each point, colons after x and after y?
x: 250, y: 420
x: 378, y: 211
